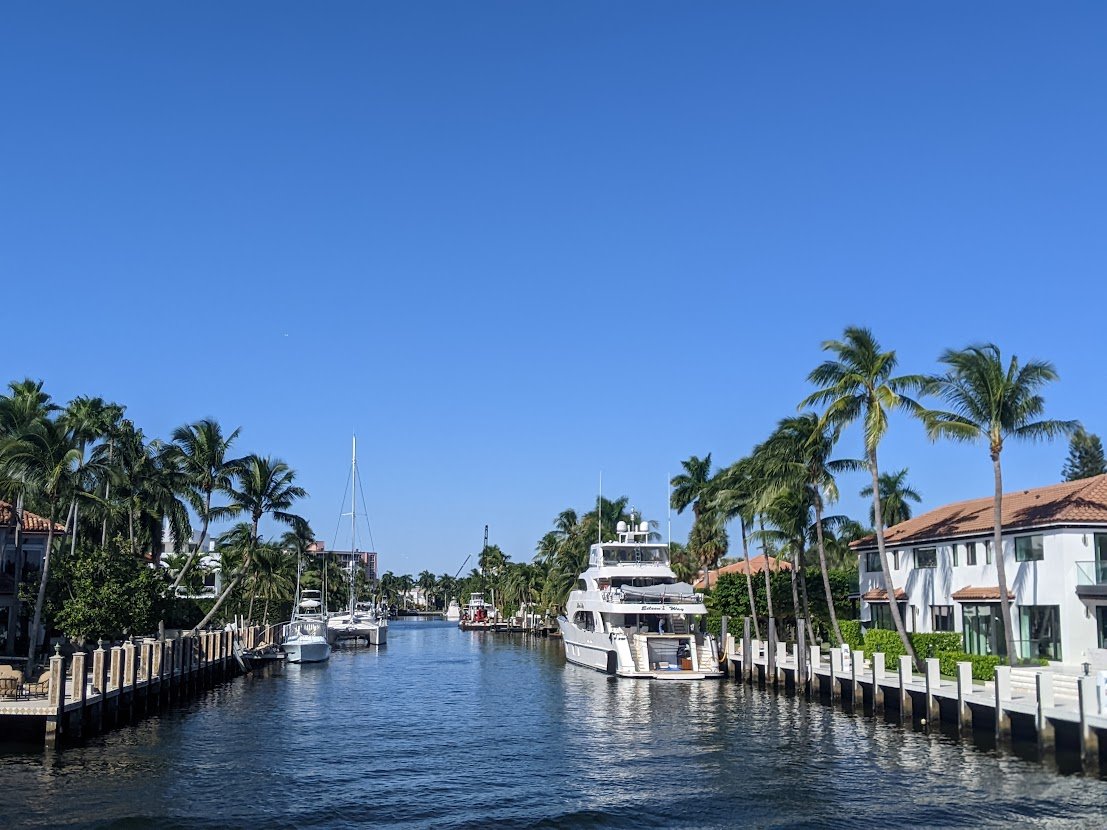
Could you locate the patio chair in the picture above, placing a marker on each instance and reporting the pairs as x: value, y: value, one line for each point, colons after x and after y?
x: 40, y: 687
x: 11, y: 683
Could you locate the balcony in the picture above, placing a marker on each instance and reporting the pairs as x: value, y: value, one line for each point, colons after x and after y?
x: 1091, y: 579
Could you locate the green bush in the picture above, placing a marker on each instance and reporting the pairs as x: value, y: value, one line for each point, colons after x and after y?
x: 931, y: 645
x: 851, y: 633
x: 877, y: 639
x: 983, y: 665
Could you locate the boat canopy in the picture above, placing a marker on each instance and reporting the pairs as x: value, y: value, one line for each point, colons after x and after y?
x: 677, y: 590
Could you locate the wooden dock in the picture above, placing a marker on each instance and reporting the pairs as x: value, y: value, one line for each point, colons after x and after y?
x: 110, y: 687
x: 1039, y: 698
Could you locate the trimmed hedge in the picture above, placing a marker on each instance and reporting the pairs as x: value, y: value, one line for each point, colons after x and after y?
x: 878, y: 639
x: 983, y: 665
x: 851, y: 633
x: 925, y: 645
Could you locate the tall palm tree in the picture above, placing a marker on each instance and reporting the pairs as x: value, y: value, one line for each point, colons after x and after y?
x: 859, y: 385
x: 798, y: 457
x: 734, y: 499
x: 693, y: 487
x: 990, y: 401
x: 895, y: 495
x: 264, y: 486
x: 200, y: 451
x: 426, y: 582
x: 88, y: 420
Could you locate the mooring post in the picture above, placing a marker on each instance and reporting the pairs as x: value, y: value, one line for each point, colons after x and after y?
x: 55, y: 698
x: 815, y: 659
x: 724, y: 652
x: 78, y: 667
x: 781, y: 659
x: 770, y: 653
x: 906, y: 705
x: 857, y: 671
x: 801, y: 657
x: 129, y: 665
x: 1088, y: 703
x: 1046, y: 731
x: 147, y: 659
x: 964, y: 689
x: 747, y: 652
x: 835, y: 664
x: 878, y: 682
x: 1003, y: 697
x: 933, y: 683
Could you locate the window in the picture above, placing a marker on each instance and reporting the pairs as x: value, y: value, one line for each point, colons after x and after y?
x: 953, y: 554
x: 988, y: 552
x: 926, y: 557
x: 970, y: 553
x: 872, y: 561
x: 942, y: 617
x: 1101, y: 618
x: 584, y: 620
x: 1028, y: 548
x: 1040, y: 631
x: 983, y: 629
x: 898, y: 552
x: 882, y: 615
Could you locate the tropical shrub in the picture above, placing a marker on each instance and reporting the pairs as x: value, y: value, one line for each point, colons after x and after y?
x: 878, y: 639
x: 931, y: 645
x: 851, y: 632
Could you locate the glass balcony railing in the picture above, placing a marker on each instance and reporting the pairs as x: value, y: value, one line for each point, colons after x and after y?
x: 1091, y: 573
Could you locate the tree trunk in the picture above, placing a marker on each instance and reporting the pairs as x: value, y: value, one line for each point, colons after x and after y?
x: 73, y: 537
x: 107, y: 496
x: 199, y: 547
x: 15, y: 613
x: 893, y: 606
x: 223, y: 597
x: 834, y: 629
x: 796, y: 608
x: 768, y: 582
x: 749, y: 581
x: 41, y: 599
x: 1001, y: 568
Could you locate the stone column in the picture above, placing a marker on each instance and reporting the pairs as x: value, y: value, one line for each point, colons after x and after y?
x: 99, y: 673
x: 79, y: 663
x: 129, y: 672
x: 116, y: 679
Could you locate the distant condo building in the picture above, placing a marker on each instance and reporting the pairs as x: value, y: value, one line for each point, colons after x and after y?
x: 366, y: 560
x: 1055, y: 557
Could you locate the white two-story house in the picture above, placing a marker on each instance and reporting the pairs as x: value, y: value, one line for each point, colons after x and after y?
x: 944, y: 573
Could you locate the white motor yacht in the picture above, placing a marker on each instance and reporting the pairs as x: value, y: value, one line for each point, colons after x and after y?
x: 630, y: 617
x: 305, y: 641
x: 478, y: 615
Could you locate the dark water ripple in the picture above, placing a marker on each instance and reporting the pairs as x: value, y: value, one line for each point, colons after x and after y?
x: 448, y: 730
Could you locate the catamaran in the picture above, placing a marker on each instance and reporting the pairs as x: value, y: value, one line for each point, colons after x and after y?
x: 631, y: 617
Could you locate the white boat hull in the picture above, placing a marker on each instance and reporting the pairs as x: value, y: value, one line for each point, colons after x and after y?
x: 308, y: 651
x: 374, y: 632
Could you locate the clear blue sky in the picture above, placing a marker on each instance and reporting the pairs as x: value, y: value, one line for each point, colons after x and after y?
x: 515, y: 244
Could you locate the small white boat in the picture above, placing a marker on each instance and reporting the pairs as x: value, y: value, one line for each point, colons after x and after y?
x: 631, y: 617
x: 453, y: 611
x: 305, y: 641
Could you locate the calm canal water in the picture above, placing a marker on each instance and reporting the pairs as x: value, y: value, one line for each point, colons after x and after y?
x: 448, y: 729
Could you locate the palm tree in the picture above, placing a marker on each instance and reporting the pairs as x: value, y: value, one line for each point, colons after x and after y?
x: 895, y: 493
x: 734, y: 498
x: 992, y: 402
x: 798, y: 456
x: 859, y: 385
x: 426, y: 582
x: 200, y: 452
x: 263, y: 486
x: 44, y: 456
x: 707, y: 539
x: 88, y: 420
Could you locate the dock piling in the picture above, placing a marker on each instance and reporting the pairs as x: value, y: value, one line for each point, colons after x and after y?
x: 1043, y: 682
x: 933, y: 681
x: 964, y: 689
x: 906, y: 705
x: 878, y: 680
x: 1003, y: 697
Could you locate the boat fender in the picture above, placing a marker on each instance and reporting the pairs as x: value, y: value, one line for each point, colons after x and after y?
x: 612, y: 662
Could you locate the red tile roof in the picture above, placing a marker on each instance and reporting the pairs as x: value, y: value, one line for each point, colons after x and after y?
x: 756, y: 566
x: 881, y: 595
x: 32, y: 523
x: 970, y: 593
x: 1068, y: 503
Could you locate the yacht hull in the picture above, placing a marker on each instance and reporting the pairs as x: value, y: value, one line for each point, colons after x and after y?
x: 601, y: 652
x: 314, y: 651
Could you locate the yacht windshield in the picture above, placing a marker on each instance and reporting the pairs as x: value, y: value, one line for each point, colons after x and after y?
x: 636, y: 554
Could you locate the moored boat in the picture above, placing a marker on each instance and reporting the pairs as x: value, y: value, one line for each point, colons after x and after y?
x: 453, y: 611
x: 631, y: 617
